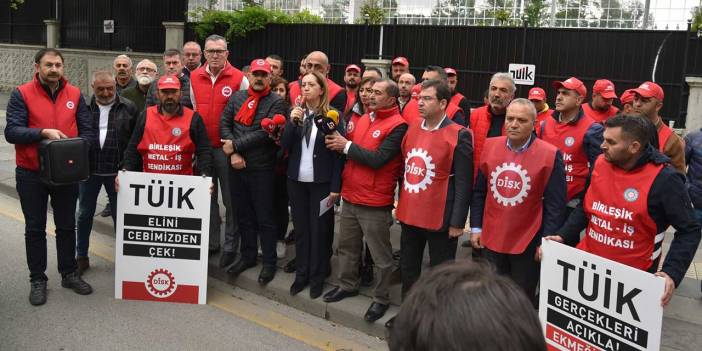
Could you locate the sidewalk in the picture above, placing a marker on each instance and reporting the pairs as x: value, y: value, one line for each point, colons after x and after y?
x: 682, y: 318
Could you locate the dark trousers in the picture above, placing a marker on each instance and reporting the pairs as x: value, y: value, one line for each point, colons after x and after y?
x: 87, y: 200
x: 280, y: 205
x: 412, y: 240
x: 33, y: 196
x: 252, y: 191
x: 314, y: 234
x: 522, y: 268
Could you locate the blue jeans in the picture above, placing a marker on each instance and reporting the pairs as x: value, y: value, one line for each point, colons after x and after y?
x: 34, y: 195
x: 88, y: 194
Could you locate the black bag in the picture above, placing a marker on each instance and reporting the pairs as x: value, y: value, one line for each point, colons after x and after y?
x: 64, y: 161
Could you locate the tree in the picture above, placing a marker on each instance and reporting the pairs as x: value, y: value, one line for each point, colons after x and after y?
x: 372, y: 13
x: 336, y: 12
x: 501, y: 12
x: 15, y: 4
x: 459, y: 11
x: 573, y: 13
x: 696, y: 20
x: 621, y: 14
x: 535, y: 14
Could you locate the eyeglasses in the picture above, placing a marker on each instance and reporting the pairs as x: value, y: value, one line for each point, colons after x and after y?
x: 215, y: 51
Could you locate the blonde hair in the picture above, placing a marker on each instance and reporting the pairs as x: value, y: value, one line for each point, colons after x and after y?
x: 323, y: 106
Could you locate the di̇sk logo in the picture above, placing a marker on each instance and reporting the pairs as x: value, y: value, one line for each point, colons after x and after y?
x: 349, y: 127
x: 70, y: 105
x: 419, y: 171
x: 510, y: 184
x: 161, y: 283
x: 569, y: 141
x: 226, y: 91
x: 250, y: 105
x: 631, y: 194
x: 260, y: 62
x: 176, y: 131
x: 376, y: 133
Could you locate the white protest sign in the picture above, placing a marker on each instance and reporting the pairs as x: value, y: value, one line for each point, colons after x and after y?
x: 162, y: 237
x: 522, y: 74
x: 591, y: 303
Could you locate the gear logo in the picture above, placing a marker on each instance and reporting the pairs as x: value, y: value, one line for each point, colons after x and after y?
x: 631, y: 195
x: 376, y: 133
x: 176, y: 132
x: 510, y: 184
x: 569, y: 141
x: 70, y: 105
x: 419, y: 171
x: 226, y: 91
x: 161, y: 283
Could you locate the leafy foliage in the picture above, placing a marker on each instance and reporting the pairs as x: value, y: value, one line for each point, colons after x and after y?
x: 696, y: 19
x: 250, y: 18
x: 15, y: 4
x: 372, y: 13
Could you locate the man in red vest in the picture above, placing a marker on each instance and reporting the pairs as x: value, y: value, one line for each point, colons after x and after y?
x: 47, y: 107
x: 411, y: 111
x: 575, y: 134
x: 457, y: 98
x: 519, y: 197
x: 435, y: 194
x: 352, y: 77
x: 600, y: 108
x: 537, y: 96
x: 648, y: 101
x: 212, y: 84
x: 373, y: 166
x: 400, y: 66
x: 488, y: 121
x: 168, y: 137
x: 318, y: 61
x: 631, y: 199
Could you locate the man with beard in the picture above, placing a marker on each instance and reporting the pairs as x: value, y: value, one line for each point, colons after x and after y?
x: 123, y: 73
x: 276, y: 63
x: 400, y: 66
x: 113, y: 117
x: 146, y: 72
x: 352, y: 77
x: 457, y: 98
x: 168, y: 126
x: 193, y: 57
x: 252, y: 154
x: 600, y: 108
x: 173, y: 65
x: 405, y: 83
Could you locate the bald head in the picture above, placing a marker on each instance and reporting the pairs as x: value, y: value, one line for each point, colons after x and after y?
x: 317, y: 61
x: 405, y: 82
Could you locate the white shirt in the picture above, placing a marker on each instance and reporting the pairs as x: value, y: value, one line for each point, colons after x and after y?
x: 306, y: 172
x: 436, y: 127
x: 104, y: 118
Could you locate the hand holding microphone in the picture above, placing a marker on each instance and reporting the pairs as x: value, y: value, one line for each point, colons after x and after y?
x: 298, y: 114
x: 327, y: 124
x: 274, y: 127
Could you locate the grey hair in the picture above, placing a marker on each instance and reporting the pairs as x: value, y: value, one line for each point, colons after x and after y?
x: 504, y: 76
x: 148, y: 61
x: 216, y: 37
x: 102, y: 73
x: 528, y: 104
x: 123, y: 56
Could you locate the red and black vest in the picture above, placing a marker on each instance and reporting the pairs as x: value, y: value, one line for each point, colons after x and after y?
x: 664, y: 133
x: 333, y: 90
x: 569, y: 138
x: 599, y: 116
x: 363, y: 185
x: 451, y: 110
x: 619, y: 225
x: 166, y: 146
x: 480, y: 125
x: 210, y: 99
x: 42, y: 112
x: 456, y: 99
x: 428, y: 158
x: 514, y: 203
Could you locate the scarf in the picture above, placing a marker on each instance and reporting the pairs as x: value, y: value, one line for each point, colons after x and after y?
x: 247, y: 111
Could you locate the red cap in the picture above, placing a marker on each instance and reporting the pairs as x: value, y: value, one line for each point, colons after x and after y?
x: 400, y: 61
x: 168, y: 82
x: 450, y: 71
x: 627, y: 96
x: 571, y: 83
x: 605, y: 88
x: 537, y: 94
x: 416, y: 89
x: 650, y: 89
x: 260, y: 65
x: 353, y: 68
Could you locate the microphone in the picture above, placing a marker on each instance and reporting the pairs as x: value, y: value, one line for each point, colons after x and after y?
x: 327, y: 124
x: 279, y: 120
x: 267, y: 125
x: 274, y: 127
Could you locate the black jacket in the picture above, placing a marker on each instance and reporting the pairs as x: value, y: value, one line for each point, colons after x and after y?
x: 124, y: 114
x: 668, y: 205
x: 252, y: 142
x: 327, y: 164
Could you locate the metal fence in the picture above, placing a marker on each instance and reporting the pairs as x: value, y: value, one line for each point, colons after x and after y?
x: 26, y: 24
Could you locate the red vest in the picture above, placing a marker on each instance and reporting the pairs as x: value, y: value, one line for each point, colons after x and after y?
x: 456, y: 99
x: 361, y: 184
x: 664, y: 133
x: 351, y: 125
x: 44, y: 113
x: 451, y: 110
x: 210, y: 99
x: 166, y: 146
x: 332, y: 88
x: 599, y: 116
x: 480, y: 125
x: 514, y: 204
x: 411, y: 111
x: 350, y: 100
x: 569, y: 139
x: 542, y: 117
x: 428, y: 157
x: 616, y: 204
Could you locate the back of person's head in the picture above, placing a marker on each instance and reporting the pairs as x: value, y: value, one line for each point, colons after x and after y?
x: 466, y: 306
